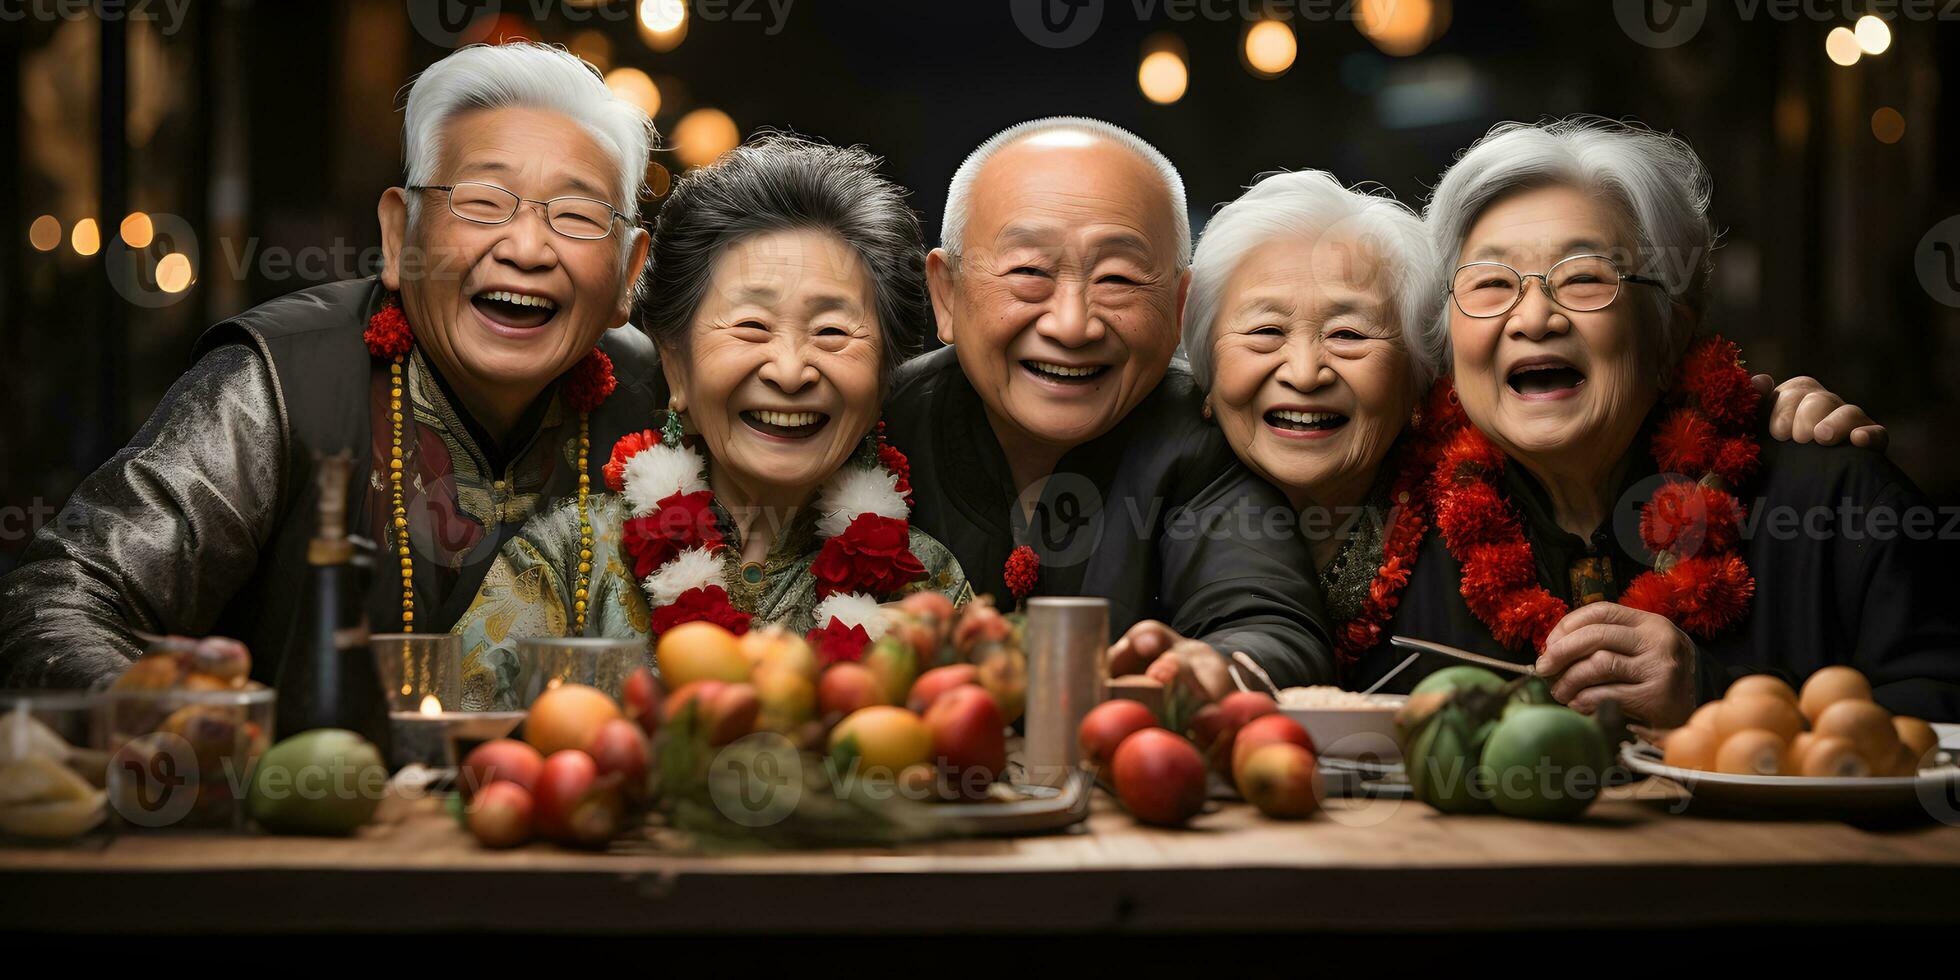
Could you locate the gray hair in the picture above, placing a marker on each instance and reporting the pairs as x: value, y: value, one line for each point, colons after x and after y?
x: 1655, y: 180
x: 778, y: 182
x: 1311, y: 204
x: 483, y: 76
x: 959, y: 194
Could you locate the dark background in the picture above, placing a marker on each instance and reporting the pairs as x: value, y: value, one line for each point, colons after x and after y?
x: 259, y: 133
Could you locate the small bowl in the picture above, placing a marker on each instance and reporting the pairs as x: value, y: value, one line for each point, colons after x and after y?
x: 42, y: 732
x: 182, y: 758
x: 1359, y: 734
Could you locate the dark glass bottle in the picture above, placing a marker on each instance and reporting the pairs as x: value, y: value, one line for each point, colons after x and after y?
x: 330, y: 680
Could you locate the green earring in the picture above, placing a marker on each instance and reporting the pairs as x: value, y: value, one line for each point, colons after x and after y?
x: 670, y: 430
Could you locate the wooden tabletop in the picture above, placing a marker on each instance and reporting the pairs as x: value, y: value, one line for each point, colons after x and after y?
x: 1361, y: 864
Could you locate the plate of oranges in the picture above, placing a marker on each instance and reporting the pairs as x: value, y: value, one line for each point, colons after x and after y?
x: 1828, y: 747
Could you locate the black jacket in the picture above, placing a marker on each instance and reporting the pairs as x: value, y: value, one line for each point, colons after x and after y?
x: 1158, y: 516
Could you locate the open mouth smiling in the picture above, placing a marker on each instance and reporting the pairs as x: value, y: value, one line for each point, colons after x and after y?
x: 1544, y: 378
x: 514, y: 310
x: 785, y: 425
x: 1305, y: 423
x: 1064, y: 374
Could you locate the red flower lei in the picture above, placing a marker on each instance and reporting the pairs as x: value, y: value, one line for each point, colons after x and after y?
x: 1698, y: 579
x: 675, y: 546
x: 1406, y: 526
x: 587, y: 385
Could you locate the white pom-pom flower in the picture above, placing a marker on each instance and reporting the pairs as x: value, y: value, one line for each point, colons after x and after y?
x: 859, y: 490
x: 852, y: 609
x: 691, y: 569
x: 659, y: 472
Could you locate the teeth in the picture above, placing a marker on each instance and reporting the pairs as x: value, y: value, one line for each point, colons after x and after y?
x: 1063, y: 371
x: 1537, y: 367
x: 1305, y: 418
x: 788, y: 420
x: 519, y: 299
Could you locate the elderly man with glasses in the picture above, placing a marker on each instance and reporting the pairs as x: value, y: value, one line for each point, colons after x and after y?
x: 467, y: 381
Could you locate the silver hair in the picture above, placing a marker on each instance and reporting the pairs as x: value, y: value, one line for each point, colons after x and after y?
x: 1655, y: 180
x: 959, y: 194
x: 483, y: 76
x: 1310, y: 204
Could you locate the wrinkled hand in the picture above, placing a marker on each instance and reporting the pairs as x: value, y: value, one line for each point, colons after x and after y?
x: 1803, y: 410
x: 1163, y: 655
x: 1608, y: 651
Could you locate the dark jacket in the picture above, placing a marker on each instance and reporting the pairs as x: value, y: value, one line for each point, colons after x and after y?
x: 1158, y: 516
x: 200, y: 525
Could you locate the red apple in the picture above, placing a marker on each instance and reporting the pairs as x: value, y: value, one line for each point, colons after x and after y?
x: 928, y: 603
x: 1160, y: 777
x: 1281, y: 779
x: 642, y: 699
x: 573, y: 804
x: 723, y: 711
x: 1107, y: 725
x: 1265, y: 730
x: 979, y: 620
x: 620, y: 749
x: 968, y: 738
x: 1234, y: 710
x: 500, y: 816
x: 937, y: 681
x: 845, y: 688
x: 502, y: 760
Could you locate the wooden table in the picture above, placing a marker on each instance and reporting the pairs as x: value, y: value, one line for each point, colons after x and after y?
x: 1361, y: 865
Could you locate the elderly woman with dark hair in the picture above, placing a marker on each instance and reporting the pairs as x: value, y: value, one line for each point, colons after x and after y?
x: 1611, y: 509
x: 787, y: 285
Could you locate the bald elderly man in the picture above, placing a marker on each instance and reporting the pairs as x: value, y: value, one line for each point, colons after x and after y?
x: 1057, y: 421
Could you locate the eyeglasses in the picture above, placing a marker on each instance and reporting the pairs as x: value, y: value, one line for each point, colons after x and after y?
x: 1580, y: 283
x: 487, y: 204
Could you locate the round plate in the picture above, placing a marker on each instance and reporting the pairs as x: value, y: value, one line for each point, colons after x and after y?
x: 1936, y: 792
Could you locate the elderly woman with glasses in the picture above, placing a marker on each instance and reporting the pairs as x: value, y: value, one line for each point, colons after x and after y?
x: 788, y: 284
x: 1606, y: 508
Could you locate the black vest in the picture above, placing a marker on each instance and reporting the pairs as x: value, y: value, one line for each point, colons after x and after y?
x: 312, y: 342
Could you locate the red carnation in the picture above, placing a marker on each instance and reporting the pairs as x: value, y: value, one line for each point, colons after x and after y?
x: 388, y: 335
x: 1736, y: 460
x: 679, y: 522
x: 709, y: 604
x: 1475, y: 514
x: 836, y: 642
x: 1713, y: 371
x: 628, y: 446
x: 895, y: 463
x: 1022, y: 570
x: 1710, y: 592
x: 1684, y: 442
x: 590, y: 382
x: 1650, y: 592
x: 872, y: 555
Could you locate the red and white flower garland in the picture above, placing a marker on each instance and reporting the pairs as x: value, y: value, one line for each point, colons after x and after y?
x: 678, y: 551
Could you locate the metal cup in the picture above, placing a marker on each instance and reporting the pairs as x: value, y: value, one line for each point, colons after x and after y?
x: 1066, y: 637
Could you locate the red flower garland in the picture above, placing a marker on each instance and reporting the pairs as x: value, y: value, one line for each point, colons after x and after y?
x: 872, y: 555
x: 1698, y: 580
x: 682, y: 521
x: 1022, y: 570
x: 590, y: 382
x: 387, y: 334
x: 834, y: 642
x: 706, y: 604
x: 626, y: 448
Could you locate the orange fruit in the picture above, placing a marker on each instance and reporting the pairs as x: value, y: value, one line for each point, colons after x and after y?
x: 1829, y: 686
x: 1918, y: 737
x: 1762, y: 684
x: 1867, y: 726
x: 1690, y: 747
x: 1765, y: 711
x: 699, y: 651
x: 1834, y: 756
x: 1751, y: 752
x: 567, y: 717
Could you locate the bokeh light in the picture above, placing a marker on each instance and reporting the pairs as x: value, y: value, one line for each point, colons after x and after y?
x: 663, y: 23
x: 86, y: 238
x: 174, y: 273
x: 1163, y: 77
x: 45, y: 233
x: 1842, y: 46
x: 1873, y: 34
x: 637, y: 87
x: 1888, y: 125
x: 137, y: 231
x: 703, y: 135
x: 1270, y: 48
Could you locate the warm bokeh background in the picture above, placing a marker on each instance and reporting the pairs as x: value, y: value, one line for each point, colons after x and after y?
x: 249, y: 139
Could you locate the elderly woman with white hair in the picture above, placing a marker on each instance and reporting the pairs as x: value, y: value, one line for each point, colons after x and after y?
x: 1304, y: 325
x: 465, y: 380
x: 1611, y: 512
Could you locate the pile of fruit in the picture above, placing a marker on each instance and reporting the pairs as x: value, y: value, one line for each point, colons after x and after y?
x: 922, y: 716
x: 147, y: 733
x: 1160, y: 775
x: 1762, y: 727
x: 1473, y: 743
